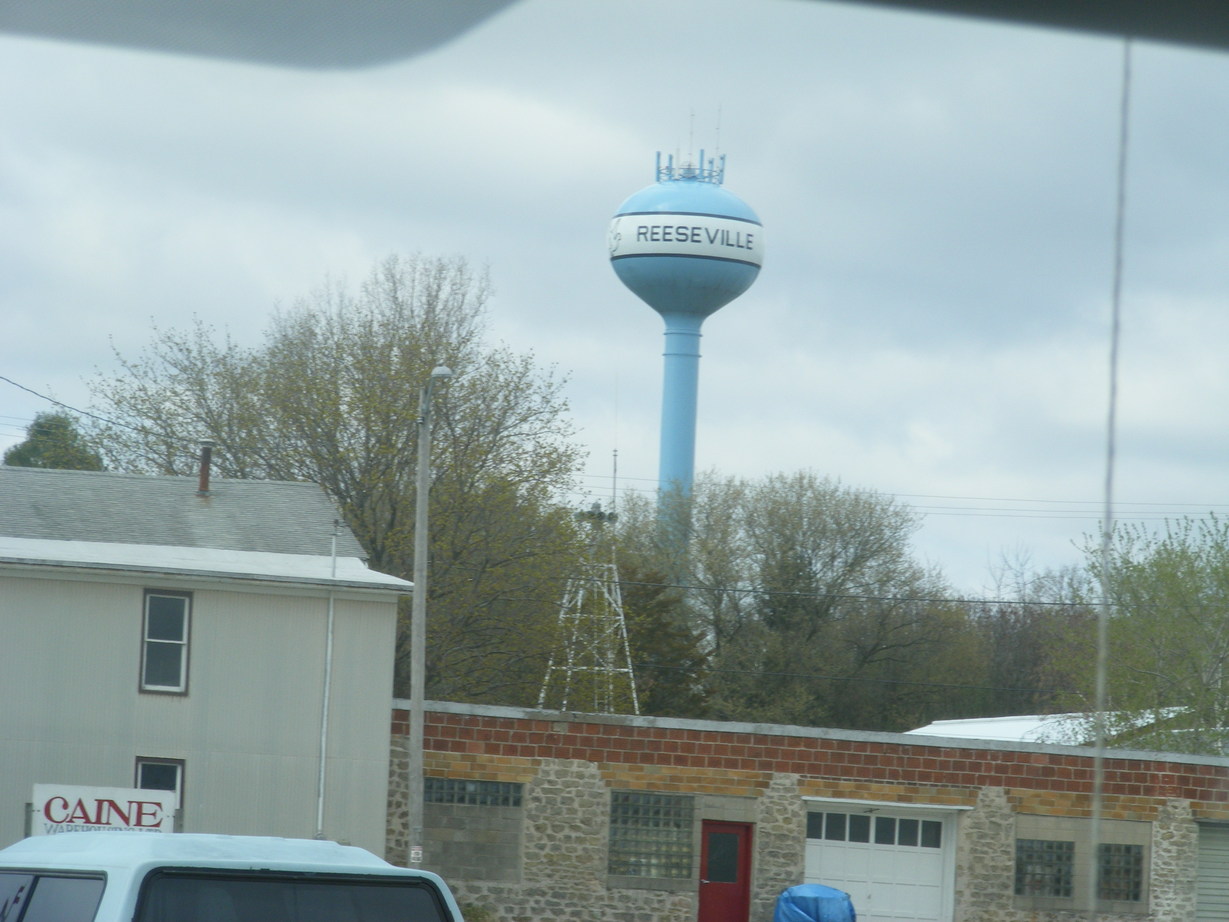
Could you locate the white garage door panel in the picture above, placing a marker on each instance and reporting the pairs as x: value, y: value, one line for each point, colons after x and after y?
x: 1212, y: 883
x: 894, y: 879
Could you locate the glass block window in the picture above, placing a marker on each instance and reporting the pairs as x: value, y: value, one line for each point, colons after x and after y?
x: 1120, y: 872
x: 650, y: 835
x: 472, y: 793
x: 1044, y: 868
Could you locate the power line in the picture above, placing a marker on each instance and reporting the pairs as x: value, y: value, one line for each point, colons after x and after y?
x: 647, y: 486
x: 102, y: 419
x: 838, y: 597
x: 869, y: 680
x: 1085, y: 510
x: 189, y: 446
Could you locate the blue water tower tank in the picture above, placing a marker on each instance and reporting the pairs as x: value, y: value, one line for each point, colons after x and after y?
x: 686, y: 247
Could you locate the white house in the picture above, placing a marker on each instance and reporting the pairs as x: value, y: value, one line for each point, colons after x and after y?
x: 223, y: 640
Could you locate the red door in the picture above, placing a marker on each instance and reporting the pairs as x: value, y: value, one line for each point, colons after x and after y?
x: 725, y: 872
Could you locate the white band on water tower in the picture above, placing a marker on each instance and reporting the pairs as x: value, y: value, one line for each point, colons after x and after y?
x: 696, y: 235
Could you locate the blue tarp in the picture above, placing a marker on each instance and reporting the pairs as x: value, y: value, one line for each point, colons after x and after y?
x: 814, y: 903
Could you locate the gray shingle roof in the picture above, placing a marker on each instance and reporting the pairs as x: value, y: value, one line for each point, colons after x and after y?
x: 241, y: 515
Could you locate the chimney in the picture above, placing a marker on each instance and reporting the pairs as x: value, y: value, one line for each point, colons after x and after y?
x: 206, y: 459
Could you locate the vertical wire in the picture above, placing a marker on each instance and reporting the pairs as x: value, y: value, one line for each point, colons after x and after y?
x: 1107, y: 525
x: 614, y: 504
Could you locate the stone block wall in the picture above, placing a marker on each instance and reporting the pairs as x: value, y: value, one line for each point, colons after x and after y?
x: 1175, y: 856
x: 476, y: 842
x: 780, y: 828
x: 764, y: 775
x: 985, y: 859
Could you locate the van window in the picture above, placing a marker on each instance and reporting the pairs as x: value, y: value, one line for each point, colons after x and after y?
x: 196, y: 896
x: 14, y: 888
x: 26, y: 897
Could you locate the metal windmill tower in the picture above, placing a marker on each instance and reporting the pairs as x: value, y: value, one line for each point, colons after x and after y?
x: 591, y: 668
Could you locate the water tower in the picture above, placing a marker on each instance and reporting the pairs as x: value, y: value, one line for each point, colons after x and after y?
x: 686, y: 247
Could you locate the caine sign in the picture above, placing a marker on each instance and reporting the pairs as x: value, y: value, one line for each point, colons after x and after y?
x: 64, y: 808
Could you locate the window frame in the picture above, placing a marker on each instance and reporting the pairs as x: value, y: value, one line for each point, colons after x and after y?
x: 684, y: 837
x: 839, y: 823
x: 185, y: 645
x: 1087, y: 862
x: 1057, y: 856
x: 33, y: 906
x: 163, y: 889
x: 180, y: 766
x: 1135, y: 876
x: 478, y: 826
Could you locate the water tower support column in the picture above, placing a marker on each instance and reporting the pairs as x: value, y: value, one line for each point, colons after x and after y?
x: 680, y: 387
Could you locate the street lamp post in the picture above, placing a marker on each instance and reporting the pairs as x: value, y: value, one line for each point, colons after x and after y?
x: 418, y: 617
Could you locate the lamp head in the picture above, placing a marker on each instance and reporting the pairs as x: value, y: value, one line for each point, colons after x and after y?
x: 441, y: 373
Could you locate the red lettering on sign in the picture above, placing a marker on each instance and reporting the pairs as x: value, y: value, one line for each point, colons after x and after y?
x: 147, y: 813
x: 61, y: 804
x: 112, y: 810
x: 79, y: 813
x: 103, y: 812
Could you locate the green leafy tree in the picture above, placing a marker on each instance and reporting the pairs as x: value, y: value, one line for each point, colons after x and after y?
x: 331, y: 396
x: 667, y: 653
x: 1168, y: 634
x: 811, y: 606
x: 53, y: 440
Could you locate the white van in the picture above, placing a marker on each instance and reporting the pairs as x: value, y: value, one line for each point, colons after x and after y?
x: 186, y: 877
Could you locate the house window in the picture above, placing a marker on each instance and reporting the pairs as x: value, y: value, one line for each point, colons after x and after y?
x: 1120, y: 872
x: 164, y: 648
x: 651, y: 835
x: 1044, y: 868
x: 161, y: 775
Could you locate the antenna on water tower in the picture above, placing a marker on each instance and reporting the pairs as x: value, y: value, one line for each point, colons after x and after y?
x: 686, y: 247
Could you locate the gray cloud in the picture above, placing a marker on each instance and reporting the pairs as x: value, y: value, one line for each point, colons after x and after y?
x: 938, y: 195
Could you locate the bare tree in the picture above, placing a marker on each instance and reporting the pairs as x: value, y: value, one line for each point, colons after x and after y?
x: 331, y: 395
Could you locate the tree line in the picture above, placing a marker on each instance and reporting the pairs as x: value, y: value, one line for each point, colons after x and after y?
x: 794, y: 598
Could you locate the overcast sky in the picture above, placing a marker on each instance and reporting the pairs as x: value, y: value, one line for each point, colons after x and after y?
x: 932, y: 320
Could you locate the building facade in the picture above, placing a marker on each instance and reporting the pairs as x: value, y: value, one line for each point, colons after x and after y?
x: 548, y: 816
x: 226, y: 643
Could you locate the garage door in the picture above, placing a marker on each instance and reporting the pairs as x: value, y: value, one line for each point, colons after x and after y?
x: 894, y: 864
x: 1212, y: 884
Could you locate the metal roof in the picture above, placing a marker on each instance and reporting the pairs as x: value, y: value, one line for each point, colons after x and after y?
x: 198, y: 562
x: 266, y: 516
x: 1064, y: 729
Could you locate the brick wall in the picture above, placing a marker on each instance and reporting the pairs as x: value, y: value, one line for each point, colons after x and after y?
x: 775, y: 769
x: 693, y: 755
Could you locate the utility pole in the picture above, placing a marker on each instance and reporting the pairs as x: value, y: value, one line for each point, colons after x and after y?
x: 418, y: 619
